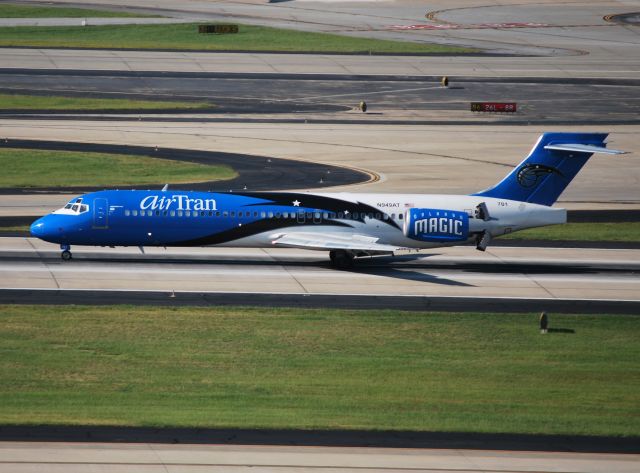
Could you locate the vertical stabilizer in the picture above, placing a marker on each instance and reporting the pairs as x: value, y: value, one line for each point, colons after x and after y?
x: 552, y: 164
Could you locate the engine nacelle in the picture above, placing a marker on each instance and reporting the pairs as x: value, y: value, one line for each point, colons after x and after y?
x: 436, y: 225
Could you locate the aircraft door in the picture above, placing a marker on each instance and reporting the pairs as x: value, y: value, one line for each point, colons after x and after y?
x: 100, y: 213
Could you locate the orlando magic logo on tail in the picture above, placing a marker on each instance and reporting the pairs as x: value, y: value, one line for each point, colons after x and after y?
x: 553, y: 162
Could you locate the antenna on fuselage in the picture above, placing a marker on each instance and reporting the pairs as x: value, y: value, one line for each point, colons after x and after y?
x: 166, y: 186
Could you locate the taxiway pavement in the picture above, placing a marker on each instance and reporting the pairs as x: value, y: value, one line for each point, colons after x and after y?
x: 526, y: 273
x: 21, y: 457
x: 609, y: 66
x: 530, y: 27
x: 541, y: 100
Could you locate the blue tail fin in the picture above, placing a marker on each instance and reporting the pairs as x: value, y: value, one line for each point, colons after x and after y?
x: 553, y: 162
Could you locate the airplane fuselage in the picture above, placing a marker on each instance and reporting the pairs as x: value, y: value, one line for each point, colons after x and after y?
x: 183, y: 218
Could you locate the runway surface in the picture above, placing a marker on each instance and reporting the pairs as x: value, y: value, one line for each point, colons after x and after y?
x: 520, y: 273
x: 19, y: 457
x: 599, y: 66
x: 546, y: 101
x: 530, y: 27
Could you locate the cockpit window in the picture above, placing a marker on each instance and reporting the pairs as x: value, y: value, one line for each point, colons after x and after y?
x: 74, y: 207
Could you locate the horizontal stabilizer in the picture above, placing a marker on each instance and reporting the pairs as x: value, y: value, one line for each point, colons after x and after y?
x: 578, y: 148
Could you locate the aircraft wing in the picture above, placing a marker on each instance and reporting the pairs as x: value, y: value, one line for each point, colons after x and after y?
x: 332, y: 241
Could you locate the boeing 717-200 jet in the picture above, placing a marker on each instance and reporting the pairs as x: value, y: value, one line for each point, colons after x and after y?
x: 346, y: 225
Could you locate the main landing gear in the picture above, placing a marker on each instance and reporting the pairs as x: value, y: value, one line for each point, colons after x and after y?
x: 66, y: 252
x: 341, y: 259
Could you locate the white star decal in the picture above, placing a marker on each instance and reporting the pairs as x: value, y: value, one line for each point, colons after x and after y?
x: 346, y: 212
x: 296, y: 203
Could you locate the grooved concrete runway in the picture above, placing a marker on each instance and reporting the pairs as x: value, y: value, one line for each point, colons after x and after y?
x: 526, y: 273
x: 20, y: 457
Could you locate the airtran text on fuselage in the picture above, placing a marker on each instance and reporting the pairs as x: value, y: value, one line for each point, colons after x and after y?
x: 177, y: 202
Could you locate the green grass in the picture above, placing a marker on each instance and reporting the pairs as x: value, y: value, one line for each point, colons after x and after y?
x: 38, y: 102
x: 36, y: 168
x: 37, y: 11
x: 318, y: 369
x: 15, y: 228
x: 619, y: 231
x: 186, y: 36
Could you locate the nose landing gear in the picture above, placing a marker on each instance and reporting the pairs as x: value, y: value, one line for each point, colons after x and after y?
x: 66, y: 253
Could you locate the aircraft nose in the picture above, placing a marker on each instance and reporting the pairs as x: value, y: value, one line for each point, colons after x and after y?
x: 38, y: 228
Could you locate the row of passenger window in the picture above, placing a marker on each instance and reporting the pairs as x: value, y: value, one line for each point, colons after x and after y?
x: 255, y: 214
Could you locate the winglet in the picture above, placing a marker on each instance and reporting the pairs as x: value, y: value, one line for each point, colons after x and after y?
x: 166, y: 186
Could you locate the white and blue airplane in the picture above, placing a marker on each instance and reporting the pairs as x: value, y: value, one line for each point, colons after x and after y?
x: 346, y: 225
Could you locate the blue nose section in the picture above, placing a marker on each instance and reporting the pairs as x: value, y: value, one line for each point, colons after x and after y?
x: 40, y: 228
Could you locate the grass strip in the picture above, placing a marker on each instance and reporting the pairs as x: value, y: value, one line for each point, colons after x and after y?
x: 43, y: 168
x: 8, y: 10
x: 186, y: 36
x: 16, y: 228
x: 38, y: 102
x: 318, y: 369
x: 598, y: 231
